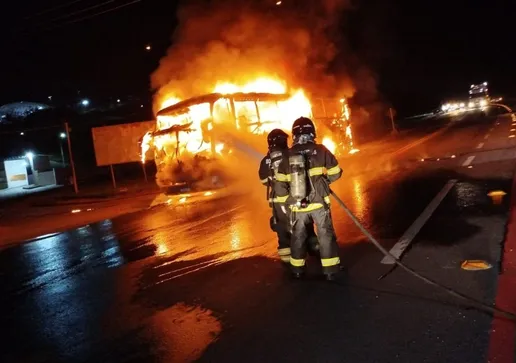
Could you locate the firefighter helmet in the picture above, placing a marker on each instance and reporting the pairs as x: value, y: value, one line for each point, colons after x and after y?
x: 303, y: 126
x: 277, y: 139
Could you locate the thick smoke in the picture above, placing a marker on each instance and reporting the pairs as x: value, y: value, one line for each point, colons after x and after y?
x: 236, y: 41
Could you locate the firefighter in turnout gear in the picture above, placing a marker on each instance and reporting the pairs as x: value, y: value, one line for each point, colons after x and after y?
x: 277, y: 141
x: 303, y: 178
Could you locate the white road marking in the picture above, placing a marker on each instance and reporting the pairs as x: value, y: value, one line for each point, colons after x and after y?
x: 414, y: 229
x: 485, y: 137
x: 468, y: 160
x: 480, y: 146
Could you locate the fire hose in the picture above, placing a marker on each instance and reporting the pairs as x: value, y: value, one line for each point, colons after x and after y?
x: 492, y: 309
x: 482, y: 305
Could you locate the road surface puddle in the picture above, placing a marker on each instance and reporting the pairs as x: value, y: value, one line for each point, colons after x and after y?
x: 182, y: 333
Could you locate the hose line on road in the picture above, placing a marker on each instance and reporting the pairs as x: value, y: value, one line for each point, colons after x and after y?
x: 487, y: 308
x: 491, y: 309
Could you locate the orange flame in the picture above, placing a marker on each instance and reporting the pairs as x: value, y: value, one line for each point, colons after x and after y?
x: 263, y: 84
x: 249, y: 116
x: 330, y: 144
x: 146, y: 144
x: 170, y: 101
x: 349, y: 136
x: 254, y: 116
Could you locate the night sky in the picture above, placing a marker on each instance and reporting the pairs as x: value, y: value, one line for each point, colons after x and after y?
x: 421, y: 51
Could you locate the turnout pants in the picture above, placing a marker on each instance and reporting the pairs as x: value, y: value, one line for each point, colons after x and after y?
x: 280, y: 223
x: 328, y: 248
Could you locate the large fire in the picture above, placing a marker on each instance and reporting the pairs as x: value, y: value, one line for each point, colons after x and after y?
x: 188, y: 133
x: 329, y: 143
x: 146, y: 144
x: 277, y: 114
x: 262, y: 84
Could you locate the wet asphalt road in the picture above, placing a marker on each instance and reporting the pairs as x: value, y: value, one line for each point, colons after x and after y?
x: 200, y: 280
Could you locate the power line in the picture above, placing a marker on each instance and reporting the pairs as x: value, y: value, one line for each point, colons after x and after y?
x: 77, y: 12
x: 93, y: 15
x: 52, y: 9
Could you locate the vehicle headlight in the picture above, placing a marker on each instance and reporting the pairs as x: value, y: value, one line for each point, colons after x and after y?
x: 483, y: 103
x: 462, y: 105
x: 471, y: 104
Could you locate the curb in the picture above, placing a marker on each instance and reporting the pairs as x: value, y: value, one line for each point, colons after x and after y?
x: 502, y: 337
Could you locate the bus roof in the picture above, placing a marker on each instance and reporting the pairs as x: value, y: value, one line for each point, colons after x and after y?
x: 182, y: 107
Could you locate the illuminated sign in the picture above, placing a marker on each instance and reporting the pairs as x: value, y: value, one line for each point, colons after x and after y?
x: 16, y: 173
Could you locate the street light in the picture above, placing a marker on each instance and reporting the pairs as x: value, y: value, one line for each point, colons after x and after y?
x: 62, y: 136
x: 85, y: 102
x: 22, y: 133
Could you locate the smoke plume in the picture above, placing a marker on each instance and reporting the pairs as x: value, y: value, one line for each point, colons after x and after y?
x: 237, y: 41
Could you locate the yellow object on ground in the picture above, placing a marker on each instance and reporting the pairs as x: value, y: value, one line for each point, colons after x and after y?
x: 475, y: 265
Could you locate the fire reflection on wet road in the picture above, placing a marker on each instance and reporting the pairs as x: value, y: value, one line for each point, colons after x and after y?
x: 164, y: 284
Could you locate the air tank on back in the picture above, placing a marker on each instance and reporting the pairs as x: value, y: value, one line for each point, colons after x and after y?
x: 298, y: 182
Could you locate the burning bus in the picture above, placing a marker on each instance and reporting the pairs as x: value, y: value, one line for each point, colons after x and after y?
x: 195, y: 138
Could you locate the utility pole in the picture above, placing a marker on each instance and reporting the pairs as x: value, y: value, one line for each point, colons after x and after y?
x: 112, y: 176
x: 394, y: 130
x: 62, y: 152
x: 67, y: 129
x: 62, y: 136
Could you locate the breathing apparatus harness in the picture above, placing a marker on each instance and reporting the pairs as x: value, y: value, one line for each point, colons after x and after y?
x: 275, y: 157
x: 277, y: 142
x: 302, y: 189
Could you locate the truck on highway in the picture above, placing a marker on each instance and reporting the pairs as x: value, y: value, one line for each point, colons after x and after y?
x: 478, y: 96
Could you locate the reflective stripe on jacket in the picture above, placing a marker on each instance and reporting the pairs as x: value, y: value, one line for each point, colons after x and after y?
x: 266, y: 176
x: 323, y: 168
